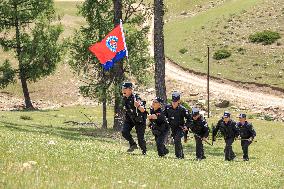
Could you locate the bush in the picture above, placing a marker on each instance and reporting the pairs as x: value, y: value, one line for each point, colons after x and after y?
x: 221, y: 54
x: 24, y: 117
x: 265, y: 37
x: 183, y: 50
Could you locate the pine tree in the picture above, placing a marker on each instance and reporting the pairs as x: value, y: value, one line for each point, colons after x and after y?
x: 101, y: 85
x: 26, y: 28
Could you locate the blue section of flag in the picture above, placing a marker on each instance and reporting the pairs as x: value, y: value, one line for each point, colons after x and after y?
x: 109, y: 64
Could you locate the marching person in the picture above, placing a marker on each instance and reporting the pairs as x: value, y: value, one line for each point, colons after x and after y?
x: 228, y: 129
x: 199, y: 128
x: 178, y: 116
x: 135, y: 116
x: 247, y: 134
x: 159, y: 126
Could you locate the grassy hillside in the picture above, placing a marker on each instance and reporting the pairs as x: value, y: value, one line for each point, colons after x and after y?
x: 227, y: 24
x: 46, y: 153
x: 62, y: 86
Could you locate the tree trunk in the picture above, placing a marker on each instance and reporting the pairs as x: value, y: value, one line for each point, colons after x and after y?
x: 28, y: 102
x: 159, y: 52
x: 118, y: 71
x: 104, y: 126
x: 23, y: 78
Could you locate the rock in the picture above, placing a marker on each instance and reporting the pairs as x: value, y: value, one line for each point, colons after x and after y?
x: 51, y: 142
x: 29, y: 164
x: 243, y: 108
x: 267, y: 108
x: 222, y: 104
x: 201, y: 102
x: 150, y: 90
x: 193, y: 94
x: 218, y: 73
x: 234, y: 107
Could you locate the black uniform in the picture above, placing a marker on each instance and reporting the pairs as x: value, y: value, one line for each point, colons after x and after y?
x: 230, y: 132
x: 246, y: 131
x: 134, y: 118
x: 200, y: 129
x: 160, y: 129
x: 176, y: 118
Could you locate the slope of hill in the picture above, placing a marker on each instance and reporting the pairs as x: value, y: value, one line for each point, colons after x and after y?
x: 227, y: 24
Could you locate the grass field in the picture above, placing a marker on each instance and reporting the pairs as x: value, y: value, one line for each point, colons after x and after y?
x: 43, y: 152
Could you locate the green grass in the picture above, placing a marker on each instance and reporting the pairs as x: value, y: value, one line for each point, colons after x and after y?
x: 87, y: 157
x: 229, y: 25
x: 67, y: 8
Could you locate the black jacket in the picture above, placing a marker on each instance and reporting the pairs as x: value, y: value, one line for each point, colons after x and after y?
x: 160, y: 123
x: 246, y: 131
x: 132, y: 113
x: 176, y: 117
x: 228, y: 130
x: 199, y: 127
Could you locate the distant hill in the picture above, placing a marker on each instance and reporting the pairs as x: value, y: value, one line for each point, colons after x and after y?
x: 227, y: 24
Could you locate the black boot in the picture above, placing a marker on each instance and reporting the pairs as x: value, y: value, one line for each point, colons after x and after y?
x: 132, y: 148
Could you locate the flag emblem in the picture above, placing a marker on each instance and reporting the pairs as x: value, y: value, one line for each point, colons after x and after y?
x: 111, y: 43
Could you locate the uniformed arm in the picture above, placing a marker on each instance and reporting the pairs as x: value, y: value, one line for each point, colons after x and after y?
x: 161, y: 118
x: 205, y: 129
x: 216, y: 129
x: 138, y: 104
x: 166, y: 112
x: 236, y: 130
x: 188, y: 117
x: 252, y: 131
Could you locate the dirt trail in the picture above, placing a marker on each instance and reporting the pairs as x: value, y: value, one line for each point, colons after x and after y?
x: 224, y: 90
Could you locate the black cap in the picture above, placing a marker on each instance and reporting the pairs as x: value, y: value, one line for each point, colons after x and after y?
x: 242, y: 116
x: 195, y: 111
x: 175, y: 96
x: 158, y: 99
x: 126, y: 85
x: 226, y: 114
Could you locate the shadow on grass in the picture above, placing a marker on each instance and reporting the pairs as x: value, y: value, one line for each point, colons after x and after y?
x: 74, y: 133
x: 102, y: 135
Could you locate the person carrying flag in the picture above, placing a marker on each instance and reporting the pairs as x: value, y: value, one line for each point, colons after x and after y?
x: 135, y: 116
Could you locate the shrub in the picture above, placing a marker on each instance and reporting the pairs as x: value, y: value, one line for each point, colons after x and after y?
x: 183, y: 50
x: 24, y: 117
x: 265, y: 37
x: 221, y: 54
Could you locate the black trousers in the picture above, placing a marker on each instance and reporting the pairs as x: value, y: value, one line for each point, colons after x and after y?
x: 199, y: 147
x: 140, y: 130
x: 229, y: 153
x: 160, y: 142
x: 245, y: 144
x: 177, y: 134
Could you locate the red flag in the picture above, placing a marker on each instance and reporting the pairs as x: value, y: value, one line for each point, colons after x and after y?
x: 112, y: 48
